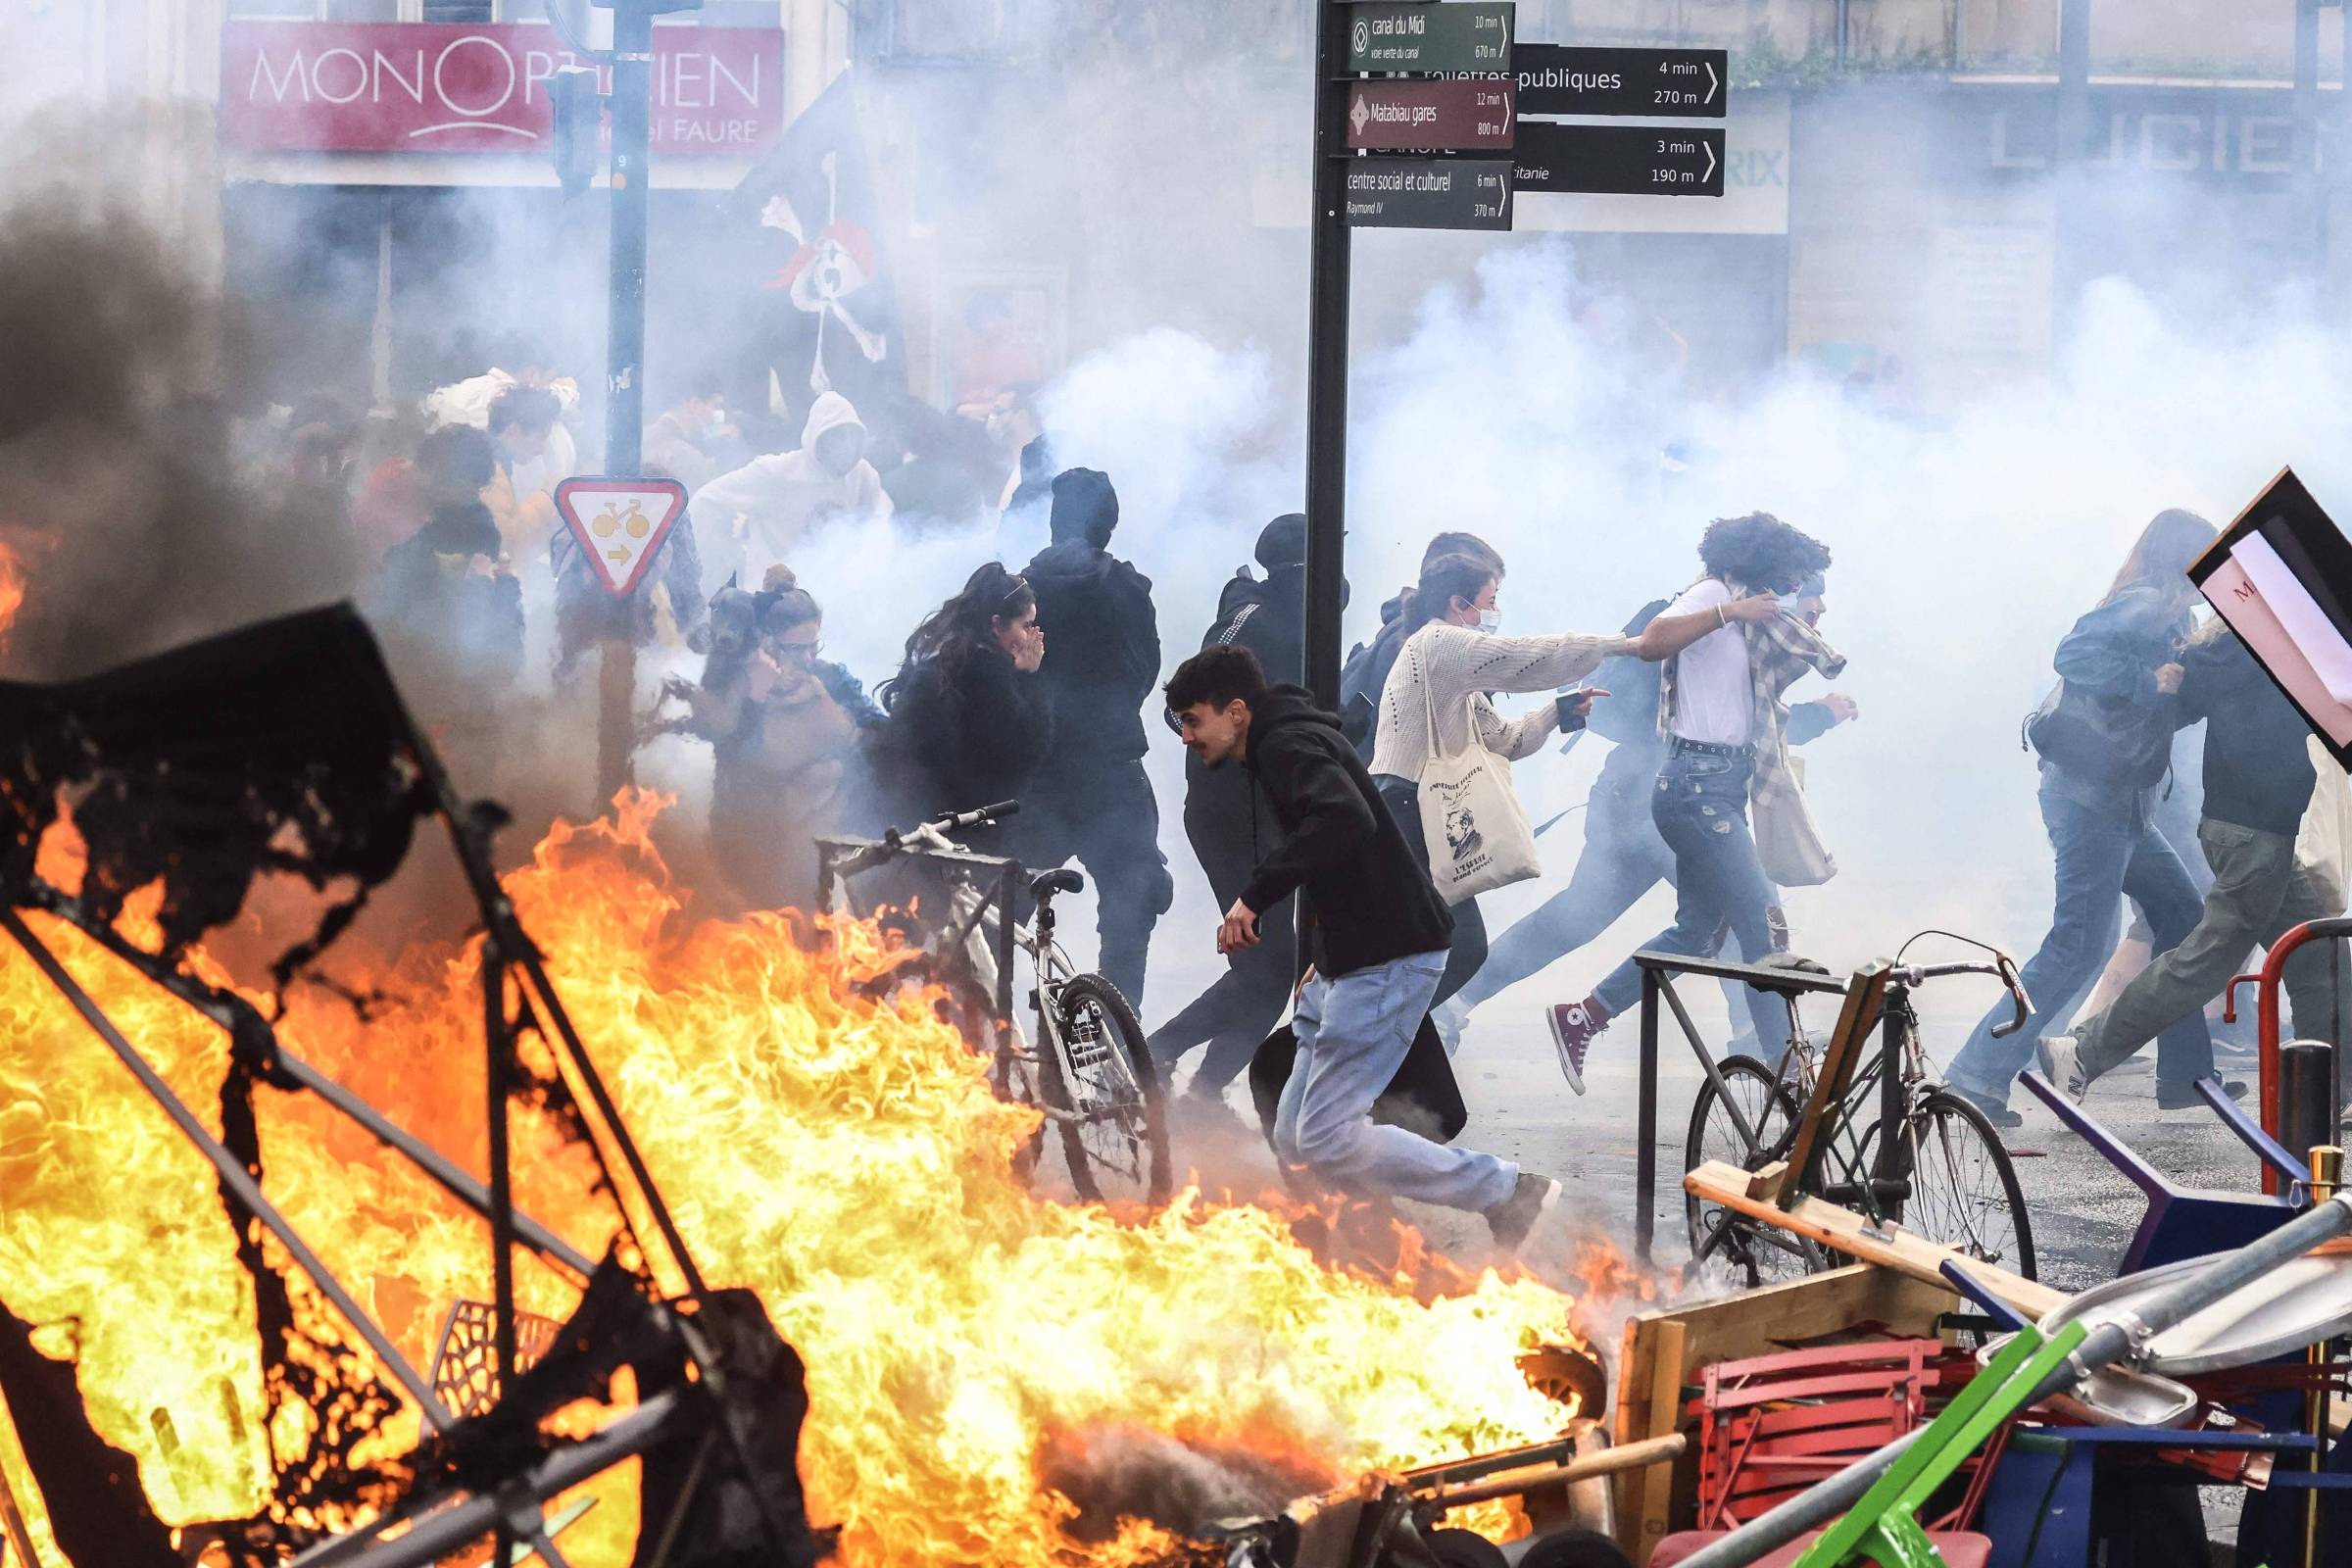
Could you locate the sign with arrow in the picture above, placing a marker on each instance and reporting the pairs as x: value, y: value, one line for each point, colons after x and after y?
x: 1464, y: 35
x: 620, y: 524
x: 1619, y: 159
x: 1470, y: 113
x: 1652, y: 84
x: 1429, y: 193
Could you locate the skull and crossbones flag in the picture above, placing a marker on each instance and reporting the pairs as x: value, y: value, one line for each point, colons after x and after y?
x: 825, y: 303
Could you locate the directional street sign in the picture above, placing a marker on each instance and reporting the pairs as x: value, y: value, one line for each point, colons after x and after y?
x: 1619, y: 159
x: 1428, y: 192
x: 1461, y: 35
x: 1470, y: 113
x: 1652, y: 84
x: 619, y: 523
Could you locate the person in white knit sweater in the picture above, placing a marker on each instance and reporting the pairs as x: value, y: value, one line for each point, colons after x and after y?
x: 1451, y: 659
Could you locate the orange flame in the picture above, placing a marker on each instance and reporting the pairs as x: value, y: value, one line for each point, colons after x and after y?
x: 12, y: 590
x: 844, y: 1158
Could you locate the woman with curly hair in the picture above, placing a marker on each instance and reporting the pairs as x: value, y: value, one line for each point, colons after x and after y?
x: 1719, y: 712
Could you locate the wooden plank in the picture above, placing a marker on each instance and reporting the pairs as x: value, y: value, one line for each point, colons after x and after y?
x: 1849, y: 1042
x: 1849, y: 1232
x: 1652, y: 1518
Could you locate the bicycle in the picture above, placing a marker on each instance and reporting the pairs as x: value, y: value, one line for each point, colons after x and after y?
x: 1945, y: 1175
x: 1091, y: 1073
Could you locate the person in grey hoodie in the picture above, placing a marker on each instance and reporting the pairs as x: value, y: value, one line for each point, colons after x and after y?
x: 1090, y: 800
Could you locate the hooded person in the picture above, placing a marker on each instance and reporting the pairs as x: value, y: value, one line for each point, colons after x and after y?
x: 445, y: 593
x: 757, y: 515
x: 1091, y: 800
x: 1228, y: 829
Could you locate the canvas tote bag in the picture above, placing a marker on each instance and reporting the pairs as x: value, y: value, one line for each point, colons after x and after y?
x: 1472, y: 825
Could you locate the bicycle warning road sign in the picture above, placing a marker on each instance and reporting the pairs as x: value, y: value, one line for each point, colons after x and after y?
x: 620, y: 524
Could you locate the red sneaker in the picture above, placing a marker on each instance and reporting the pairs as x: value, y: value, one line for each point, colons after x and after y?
x: 1574, y: 1024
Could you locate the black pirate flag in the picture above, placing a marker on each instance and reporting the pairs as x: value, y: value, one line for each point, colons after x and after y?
x: 828, y: 314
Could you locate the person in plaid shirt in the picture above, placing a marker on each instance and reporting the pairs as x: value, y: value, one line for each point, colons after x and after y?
x: 1719, y: 709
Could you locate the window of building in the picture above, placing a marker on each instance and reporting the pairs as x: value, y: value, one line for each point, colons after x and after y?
x: 464, y: 13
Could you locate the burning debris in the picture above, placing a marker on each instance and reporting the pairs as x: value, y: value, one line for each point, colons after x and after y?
x: 990, y: 1376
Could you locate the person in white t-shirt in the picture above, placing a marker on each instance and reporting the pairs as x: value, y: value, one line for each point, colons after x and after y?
x: 1708, y: 712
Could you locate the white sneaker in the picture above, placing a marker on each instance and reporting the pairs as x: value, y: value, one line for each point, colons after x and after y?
x: 2061, y: 1063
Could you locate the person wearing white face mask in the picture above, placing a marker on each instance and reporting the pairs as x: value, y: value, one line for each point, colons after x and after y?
x: 1451, y: 658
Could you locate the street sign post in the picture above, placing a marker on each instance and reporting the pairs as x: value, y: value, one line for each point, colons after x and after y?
x: 1619, y: 159
x: 1646, y: 84
x: 1428, y: 192
x: 1470, y: 113
x: 620, y: 524
x: 1471, y: 37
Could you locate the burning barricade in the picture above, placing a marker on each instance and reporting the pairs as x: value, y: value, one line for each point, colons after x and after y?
x: 239, y: 1227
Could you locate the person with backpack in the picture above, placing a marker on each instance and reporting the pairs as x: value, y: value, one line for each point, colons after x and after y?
x: 1365, y: 674
x: 2103, y: 737
x: 1228, y: 825
x: 1624, y: 855
x: 2258, y: 783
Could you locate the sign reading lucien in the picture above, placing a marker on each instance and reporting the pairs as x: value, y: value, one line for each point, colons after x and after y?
x: 395, y: 86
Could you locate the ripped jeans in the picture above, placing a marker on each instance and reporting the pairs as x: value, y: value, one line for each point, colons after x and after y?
x: 1700, y: 806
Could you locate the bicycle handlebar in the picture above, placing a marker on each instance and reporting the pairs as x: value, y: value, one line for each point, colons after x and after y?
x: 2002, y: 969
x: 986, y: 816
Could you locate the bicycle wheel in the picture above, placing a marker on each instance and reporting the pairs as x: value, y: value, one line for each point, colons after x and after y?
x: 1964, y: 1190
x: 1116, y: 1137
x: 1763, y: 1252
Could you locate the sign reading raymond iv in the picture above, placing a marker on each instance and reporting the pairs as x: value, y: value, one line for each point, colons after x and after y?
x: 413, y: 86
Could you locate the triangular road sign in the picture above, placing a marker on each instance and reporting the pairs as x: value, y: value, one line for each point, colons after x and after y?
x: 620, y: 524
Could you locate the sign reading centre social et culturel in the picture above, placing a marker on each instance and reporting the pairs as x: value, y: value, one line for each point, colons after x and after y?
x: 412, y: 86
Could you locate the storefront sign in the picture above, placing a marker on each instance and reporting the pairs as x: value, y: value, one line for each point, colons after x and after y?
x: 403, y: 86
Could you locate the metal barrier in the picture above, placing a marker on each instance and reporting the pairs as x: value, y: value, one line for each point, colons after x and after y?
x: 1655, y: 969
x: 2274, y: 968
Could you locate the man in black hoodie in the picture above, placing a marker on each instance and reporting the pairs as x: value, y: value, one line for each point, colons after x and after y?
x: 1090, y: 800
x: 1378, y: 935
x: 1226, y: 821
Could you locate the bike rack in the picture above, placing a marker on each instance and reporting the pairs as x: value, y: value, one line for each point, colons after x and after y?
x: 1655, y: 969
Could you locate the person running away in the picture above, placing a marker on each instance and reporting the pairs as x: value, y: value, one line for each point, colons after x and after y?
x: 2121, y: 660
x: 1377, y: 934
x: 1452, y: 656
x: 1091, y: 800
x: 2258, y: 783
x: 1734, y: 649
x: 1228, y: 829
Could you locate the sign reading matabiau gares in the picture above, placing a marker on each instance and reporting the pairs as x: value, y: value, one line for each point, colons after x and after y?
x: 413, y: 86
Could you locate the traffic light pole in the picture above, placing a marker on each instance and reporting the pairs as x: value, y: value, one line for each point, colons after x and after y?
x: 1327, y: 359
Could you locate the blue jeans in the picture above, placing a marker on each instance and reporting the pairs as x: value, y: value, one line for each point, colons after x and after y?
x: 1622, y: 858
x: 1700, y: 805
x: 2102, y: 856
x: 1353, y: 1032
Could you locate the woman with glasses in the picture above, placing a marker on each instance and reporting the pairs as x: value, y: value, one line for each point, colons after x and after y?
x: 787, y: 729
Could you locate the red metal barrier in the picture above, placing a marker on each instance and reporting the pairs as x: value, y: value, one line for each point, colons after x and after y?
x: 2266, y: 1017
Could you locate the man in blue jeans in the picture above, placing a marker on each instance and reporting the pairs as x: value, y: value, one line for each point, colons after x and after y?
x: 1378, y: 933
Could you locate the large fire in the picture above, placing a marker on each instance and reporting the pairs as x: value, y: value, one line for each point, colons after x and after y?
x: 844, y: 1158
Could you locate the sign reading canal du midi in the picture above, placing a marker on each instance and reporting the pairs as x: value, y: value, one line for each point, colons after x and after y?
x: 410, y: 86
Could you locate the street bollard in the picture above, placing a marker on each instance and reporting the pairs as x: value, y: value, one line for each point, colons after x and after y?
x: 2306, y: 1094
